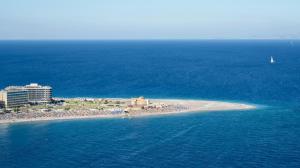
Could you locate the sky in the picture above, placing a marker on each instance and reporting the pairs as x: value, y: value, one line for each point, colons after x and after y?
x: 149, y: 19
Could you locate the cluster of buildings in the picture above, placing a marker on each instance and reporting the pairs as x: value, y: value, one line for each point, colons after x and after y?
x: 137, y: 104
x: 140, y: 101
x: 18, y: 96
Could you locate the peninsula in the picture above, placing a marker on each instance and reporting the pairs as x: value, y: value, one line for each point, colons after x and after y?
x: 81, y: 108
x: 34, y: 102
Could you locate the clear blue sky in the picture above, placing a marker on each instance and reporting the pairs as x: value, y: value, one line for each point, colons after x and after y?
x: 149, y: 19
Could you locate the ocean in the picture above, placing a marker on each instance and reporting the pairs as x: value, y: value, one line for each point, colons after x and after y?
x: 229, y: 70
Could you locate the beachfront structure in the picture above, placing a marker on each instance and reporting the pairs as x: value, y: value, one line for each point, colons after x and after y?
x: 141, y: 101
x: 14, y: 97
x: 18, y: 96
x: 38, y: 94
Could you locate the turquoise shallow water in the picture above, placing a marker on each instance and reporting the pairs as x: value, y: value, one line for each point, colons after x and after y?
x: 218, y: 70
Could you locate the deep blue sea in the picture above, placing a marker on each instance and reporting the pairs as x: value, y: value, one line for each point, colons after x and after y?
x: 236, y: 70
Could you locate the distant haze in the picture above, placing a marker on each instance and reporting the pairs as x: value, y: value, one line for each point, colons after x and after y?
x: 149, y: 19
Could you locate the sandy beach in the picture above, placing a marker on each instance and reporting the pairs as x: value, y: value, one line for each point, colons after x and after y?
x: 172, y: 106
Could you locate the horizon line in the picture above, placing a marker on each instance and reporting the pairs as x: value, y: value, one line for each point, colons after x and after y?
x: 155, y: 39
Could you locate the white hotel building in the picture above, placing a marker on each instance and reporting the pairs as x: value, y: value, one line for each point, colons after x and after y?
x: 14, y: 96
x: 39, y: 94
x: 17, y: 96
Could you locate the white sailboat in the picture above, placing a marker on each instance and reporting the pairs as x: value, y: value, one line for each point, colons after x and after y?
x: 272, y: 61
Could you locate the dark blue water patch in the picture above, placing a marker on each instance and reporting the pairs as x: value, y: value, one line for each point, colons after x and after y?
x: 218, y: 70
x: 232, y: 70
x: 261, y: 138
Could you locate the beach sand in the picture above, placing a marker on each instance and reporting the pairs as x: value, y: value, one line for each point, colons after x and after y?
x: 190, y: 106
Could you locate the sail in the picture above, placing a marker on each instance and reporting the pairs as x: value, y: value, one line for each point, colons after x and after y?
x: 272, y: 60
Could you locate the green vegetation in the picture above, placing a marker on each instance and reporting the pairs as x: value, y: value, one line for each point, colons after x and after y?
x: 16, y: 109
x: 90, y: 104
x: 75, y: 104
x: 67, y: 108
